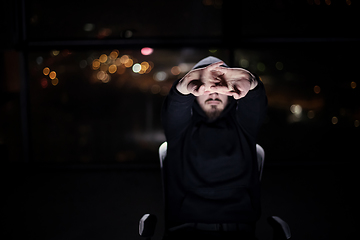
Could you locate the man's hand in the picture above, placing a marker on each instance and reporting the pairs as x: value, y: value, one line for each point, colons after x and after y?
x: 200, y: 81
x: 236, y: 82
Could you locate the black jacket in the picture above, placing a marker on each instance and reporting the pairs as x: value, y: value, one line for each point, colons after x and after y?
x: 210, y: 170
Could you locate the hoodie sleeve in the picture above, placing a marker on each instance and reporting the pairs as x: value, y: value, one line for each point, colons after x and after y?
x: 251, y: 110
x: 176, y: 112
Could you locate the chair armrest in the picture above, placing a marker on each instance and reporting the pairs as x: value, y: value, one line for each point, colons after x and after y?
x: 147, y: 225
x: 281, y: 230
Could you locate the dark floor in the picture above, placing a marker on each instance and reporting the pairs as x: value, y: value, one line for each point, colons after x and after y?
x: 106, y: 202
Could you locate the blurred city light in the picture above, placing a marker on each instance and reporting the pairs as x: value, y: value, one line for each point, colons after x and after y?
x: 55, y: 81
x: 244, y: 63
x: 46, y: 71
x: 160, y: 76
x: 52, y: 75
x: 353, y: 85
x: 311, y: 114
x: 146, y: 51
x: 129, y: 62
x: 356, y: 123
x: 103, y: 58
x: 136, y: 67
x: 317, y: 89
x: 279, y: 66
x: 39, y: 60
x: 296, y: 109
x: 96, y: 64
x: 175, y: 70
x: 114, y: 54
x: 88, y: 27
x: 112, y: 68
x: 261, y: 66
x: 334, y: 120
x: 44, y: 83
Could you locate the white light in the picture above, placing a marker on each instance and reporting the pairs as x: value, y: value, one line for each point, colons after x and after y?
x: 160, y: 76
x: 88, y: 27
x: 136, y: 67
x: 244, y: 63
x: 185, y: 67
x: 83, y: 64
x: 296, y: 110
x: 39, y: 60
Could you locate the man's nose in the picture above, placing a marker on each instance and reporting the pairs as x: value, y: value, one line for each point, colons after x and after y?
x: 213, y: 94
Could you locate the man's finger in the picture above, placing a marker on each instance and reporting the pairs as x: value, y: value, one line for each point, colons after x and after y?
x: 214, y: 65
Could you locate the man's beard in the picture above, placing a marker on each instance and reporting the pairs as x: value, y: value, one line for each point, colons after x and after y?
x: 213, y: 113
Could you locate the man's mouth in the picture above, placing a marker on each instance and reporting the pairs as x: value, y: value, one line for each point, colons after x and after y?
x: 213, y: 101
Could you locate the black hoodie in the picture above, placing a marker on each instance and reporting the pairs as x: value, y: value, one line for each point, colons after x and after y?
x: 210, y: 171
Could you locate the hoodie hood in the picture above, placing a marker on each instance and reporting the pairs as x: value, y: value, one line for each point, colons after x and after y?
x: 196, y: 107
x: 207, y: 61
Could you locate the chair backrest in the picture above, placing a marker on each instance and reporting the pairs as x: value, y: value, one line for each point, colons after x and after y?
x: 259, y: 151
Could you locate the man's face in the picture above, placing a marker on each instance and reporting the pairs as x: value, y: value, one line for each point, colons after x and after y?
x: 212, y: 104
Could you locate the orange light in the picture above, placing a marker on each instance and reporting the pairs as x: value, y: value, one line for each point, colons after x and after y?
x: 55, y: 81
x: 114, y: 54
x: 46, y: 71
x: 96, y: 64
x: 129, y: 63
x: 334, y: 120
x: 112, y: 69
x: 52, y: 75
x: 353, y: 85
x: 175, y: 70
x: 103, y: 58
x: 317, y: 89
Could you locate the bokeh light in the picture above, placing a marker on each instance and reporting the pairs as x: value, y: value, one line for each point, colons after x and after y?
x: 353, y: 85
x: 311, y: 114
x: 44, y: 83
x: 112, y: 68
x: 334, y: 120
x: 175, y: 70
x: 296, y: 109
x: 160, y: 76
x: 55, y: 81
x: 46, y: 71
x: 103, y: 58
x: 136, y: 67
x: 261, y: 66
x: 317, y: 89
x: 114, y: 54
x: 52, y: 75
x: 147, y: 51
x: 129, y: 63
x: 279, y: 66
x: 96, y: 64
x: 124, y: 59
x: 244, y: 63
x: 356, y: 123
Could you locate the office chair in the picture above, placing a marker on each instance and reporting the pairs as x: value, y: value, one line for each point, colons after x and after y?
x: 281, y: 230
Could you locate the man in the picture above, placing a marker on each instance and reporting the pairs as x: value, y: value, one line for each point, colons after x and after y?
x: 211, y: 119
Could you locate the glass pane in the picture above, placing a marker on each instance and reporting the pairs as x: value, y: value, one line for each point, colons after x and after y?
x: 103, y: 106
x: 314, y: 101
x: 48, y: 20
